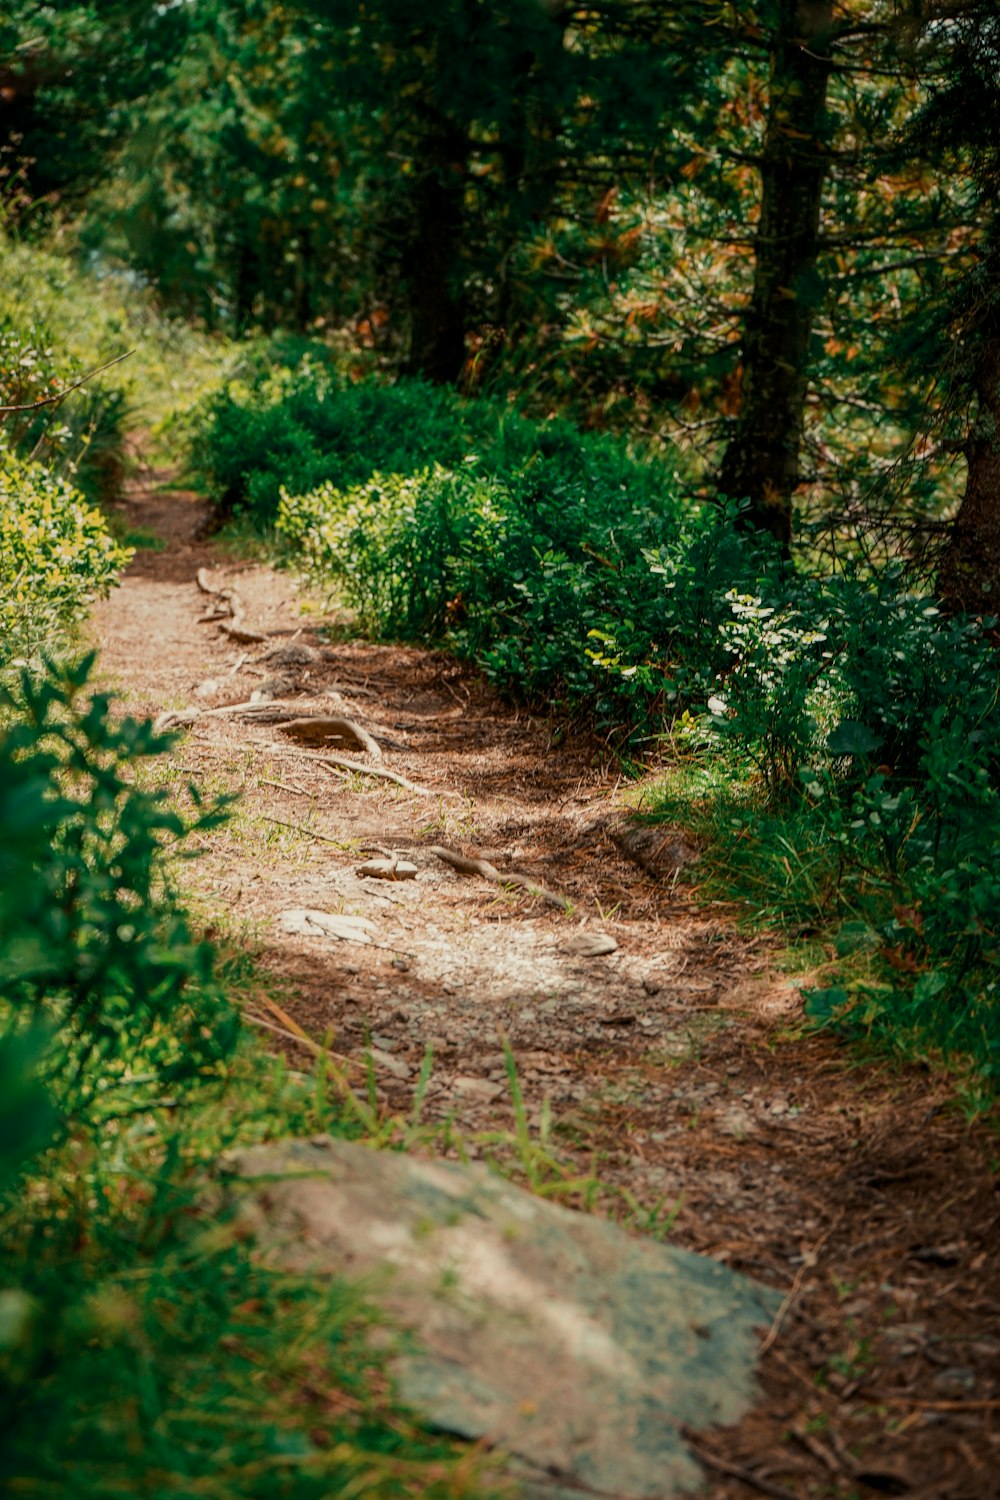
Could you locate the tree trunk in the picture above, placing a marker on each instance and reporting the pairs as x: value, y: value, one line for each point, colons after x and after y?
x: 969, y: 579
x: 530, y: 152
x: 245, y: 283
x: 761, y: 461
x: 302, y: 310
x: 437, y: 313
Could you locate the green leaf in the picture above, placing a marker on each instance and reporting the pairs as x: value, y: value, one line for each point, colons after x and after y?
x: 823, y: 1006
x: 27, y: 1117
x: 929, y: 986
x: 853, y: 936
x: 852, y: 738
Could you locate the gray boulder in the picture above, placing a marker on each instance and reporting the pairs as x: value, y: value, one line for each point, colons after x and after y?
x: 569, y: 1344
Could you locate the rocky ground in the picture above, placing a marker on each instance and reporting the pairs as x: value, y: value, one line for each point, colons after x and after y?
x: 673, y: 1066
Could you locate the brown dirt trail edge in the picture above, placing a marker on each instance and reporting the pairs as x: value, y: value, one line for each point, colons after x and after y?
x: 675, y: 1066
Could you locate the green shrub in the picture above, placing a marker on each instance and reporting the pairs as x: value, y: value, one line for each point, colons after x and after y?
x: 294, y: 428
x: 919, y: 831
x: 298, y: 428
x: 146, y: 1348
x: 27, y: 1116
x: 398, y: 547
x: 570, y: 577
x: 56, y: 554
x: 82, y: 437
x: 58, y: 322
x: 93, y: 945
x: 873, y: 718
x: 517, y: 569
x: 770, y: 697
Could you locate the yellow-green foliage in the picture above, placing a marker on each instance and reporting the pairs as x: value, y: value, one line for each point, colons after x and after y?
x: 56, y: 554
x: 90, y: 316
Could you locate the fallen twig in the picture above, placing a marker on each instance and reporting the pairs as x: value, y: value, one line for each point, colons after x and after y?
x: 51, y: 400
x: 809, y: 1260
x: 294, y: 1030
x: 736, y: 1471
x: 892, y: 1398
x: 311, y: 833
x: 344, y: 763
x: 305, y: 1041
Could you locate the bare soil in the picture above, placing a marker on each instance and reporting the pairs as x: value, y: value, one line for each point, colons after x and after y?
x: 677, y: 1067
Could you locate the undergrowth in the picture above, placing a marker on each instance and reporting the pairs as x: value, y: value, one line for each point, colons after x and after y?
x: 854, y: 723
x: 144, y: 1347
x: 56, y: 554
x: 563, y: 562
x: 60, y: 321
x: 65, y: 437
x: 868, y: 962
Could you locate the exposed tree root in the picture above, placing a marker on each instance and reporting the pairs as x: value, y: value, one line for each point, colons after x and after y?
x: 307, y: 728
x: 343, y: 762
x: 231, y: 606
x: 240, y: 633
x: 311, y: 730
x: 466, y: 866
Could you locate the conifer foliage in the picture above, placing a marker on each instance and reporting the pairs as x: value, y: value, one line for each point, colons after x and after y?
x: 762, y: 232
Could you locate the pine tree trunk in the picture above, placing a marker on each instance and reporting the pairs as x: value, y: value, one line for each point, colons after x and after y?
x: 969, y: 579
x: 245, y: 284
x: 437, y: 314
x: 530, y: 155
x: 761, y: 461
x: 302, y: 312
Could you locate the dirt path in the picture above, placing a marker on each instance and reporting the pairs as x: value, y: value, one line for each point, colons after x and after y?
x: 674, y: 1065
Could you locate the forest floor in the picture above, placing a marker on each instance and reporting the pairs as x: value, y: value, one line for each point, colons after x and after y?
x: 677, y: 1067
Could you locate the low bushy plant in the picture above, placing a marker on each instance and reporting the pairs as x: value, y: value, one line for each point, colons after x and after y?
x: 94, y: 947
x: 399, y: 548
x: 276, y: 428
x: 60, y: 321
x: 83, y: 437
x: 873, y: 717
x: 56, y: 554
x: 522, y: 569
x: 136, y: 1324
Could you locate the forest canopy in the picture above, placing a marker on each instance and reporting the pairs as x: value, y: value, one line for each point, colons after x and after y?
x: 763, y: 235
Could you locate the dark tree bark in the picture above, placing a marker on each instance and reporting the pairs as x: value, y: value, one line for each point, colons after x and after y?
x: 959, y: 129
x: 437, y: 313
x: 530, y: 154
x: 761, y: 461
x: 245, y: 283
x: 969, y: 579
x: 302, y: 311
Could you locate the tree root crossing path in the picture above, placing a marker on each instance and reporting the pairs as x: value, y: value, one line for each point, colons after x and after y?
x: 421, y: 866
